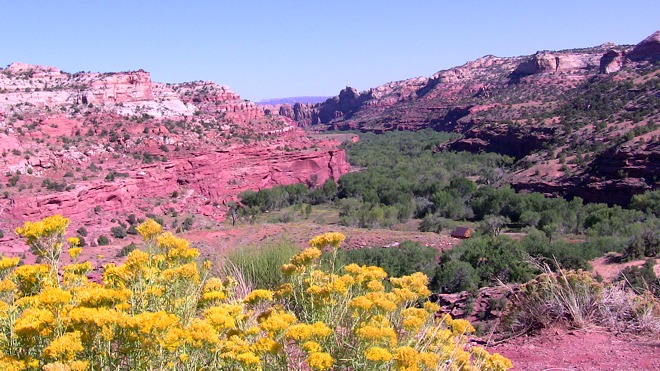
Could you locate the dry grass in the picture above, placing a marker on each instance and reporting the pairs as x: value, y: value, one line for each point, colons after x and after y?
x: 576, y: 300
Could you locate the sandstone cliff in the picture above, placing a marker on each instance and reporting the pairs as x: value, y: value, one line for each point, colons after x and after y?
x: 99, y: 146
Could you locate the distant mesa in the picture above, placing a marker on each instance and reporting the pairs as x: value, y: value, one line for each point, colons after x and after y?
x: 292, y: 100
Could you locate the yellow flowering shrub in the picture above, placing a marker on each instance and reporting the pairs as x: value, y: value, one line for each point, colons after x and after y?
x: 161, y: 309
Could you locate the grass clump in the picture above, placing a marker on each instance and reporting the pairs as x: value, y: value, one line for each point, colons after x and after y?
x: 259, y: 266
x: 576, y: 299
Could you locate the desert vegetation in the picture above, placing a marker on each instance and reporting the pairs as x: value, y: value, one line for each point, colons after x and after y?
x: 404, y: 177
x: 162, y: 309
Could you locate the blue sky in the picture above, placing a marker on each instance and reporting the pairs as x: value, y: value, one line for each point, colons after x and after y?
x: 268, y: 49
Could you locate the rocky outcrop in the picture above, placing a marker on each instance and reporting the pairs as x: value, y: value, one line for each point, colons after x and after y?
x: 516, y: 141
x: 485, y: 308
x: 210, y: 98
x: 341, y: 106
x: 549, y: 62
x: 648, y: 49
x: 611, y: 61
x: 217, y: 176
x: 125, y: 93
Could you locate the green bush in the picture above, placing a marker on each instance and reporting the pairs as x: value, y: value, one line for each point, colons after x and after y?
x: 494, y: 259
x: 641, y: 279
x: 455, y: 276
x: 127, y: 249
x: 103, y: 240
x: 407, y: 258
x: 118, y: 231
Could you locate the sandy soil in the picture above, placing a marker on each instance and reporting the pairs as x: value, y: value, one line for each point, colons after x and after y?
x: 590, y: 349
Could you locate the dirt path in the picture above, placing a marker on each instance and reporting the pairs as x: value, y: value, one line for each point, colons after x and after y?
x: 592, y: 349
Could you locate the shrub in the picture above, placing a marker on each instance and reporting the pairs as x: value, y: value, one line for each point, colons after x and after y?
x: 455, y: 276
x: 641, y: 279
x: 408, y: 258
x: 127, y: 249
x: 161, y: 308
x: 103, y: 240
x: 118, y: 231
x: 578, y: 300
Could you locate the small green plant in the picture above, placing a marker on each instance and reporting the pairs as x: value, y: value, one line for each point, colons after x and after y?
x: 118, y: 231
x: 127, y: 249
x: 103, y: 240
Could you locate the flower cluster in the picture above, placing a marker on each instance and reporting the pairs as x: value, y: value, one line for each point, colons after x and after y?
x: 332, y: 239
x: 162, y: 310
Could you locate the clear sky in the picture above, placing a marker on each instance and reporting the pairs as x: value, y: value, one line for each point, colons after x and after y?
x: 268, y: 49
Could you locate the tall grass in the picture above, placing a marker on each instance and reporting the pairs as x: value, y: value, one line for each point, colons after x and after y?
x: 258, y: 266
x: 576, y: 299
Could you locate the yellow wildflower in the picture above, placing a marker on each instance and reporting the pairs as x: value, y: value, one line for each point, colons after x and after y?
x: 414, y: 318
x: 258, y: 295
x: 149, y: 229
x: 320, y: 361
x: 416, y: 282
x: 283, y: 291
x: 274, y: 321
x: 49, y: 226
x: 53, y: 297
x: 377, y: 335
x: 430, y: 360
x: 222, y: 317
x: 7, y: 285
x: 75, y: 252
x: 34, y: 323
x: 460, y: 326
x: 498, y: 362
x: 290, y: 269
x: 333, y: 239
x: 266, y: 345
x: 95, y: 296
x: 80, y: 268
x: 248, y: 359
x: 64, y: 348
x: 361, y: 302
x: 8, y: 263
x: 73, y: 242
x: 306, y: 257
x: 378, y: 354
x: 431, y: 307
x: 375, y: 286
x: 10, y: 363
x: 406, y: 358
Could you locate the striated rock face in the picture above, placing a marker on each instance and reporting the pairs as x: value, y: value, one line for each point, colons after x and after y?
x: 216, y: 176
x: 125, y: 93
x: 548, y: 62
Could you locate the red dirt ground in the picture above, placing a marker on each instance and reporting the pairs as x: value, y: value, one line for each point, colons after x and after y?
x: 589, y: 349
